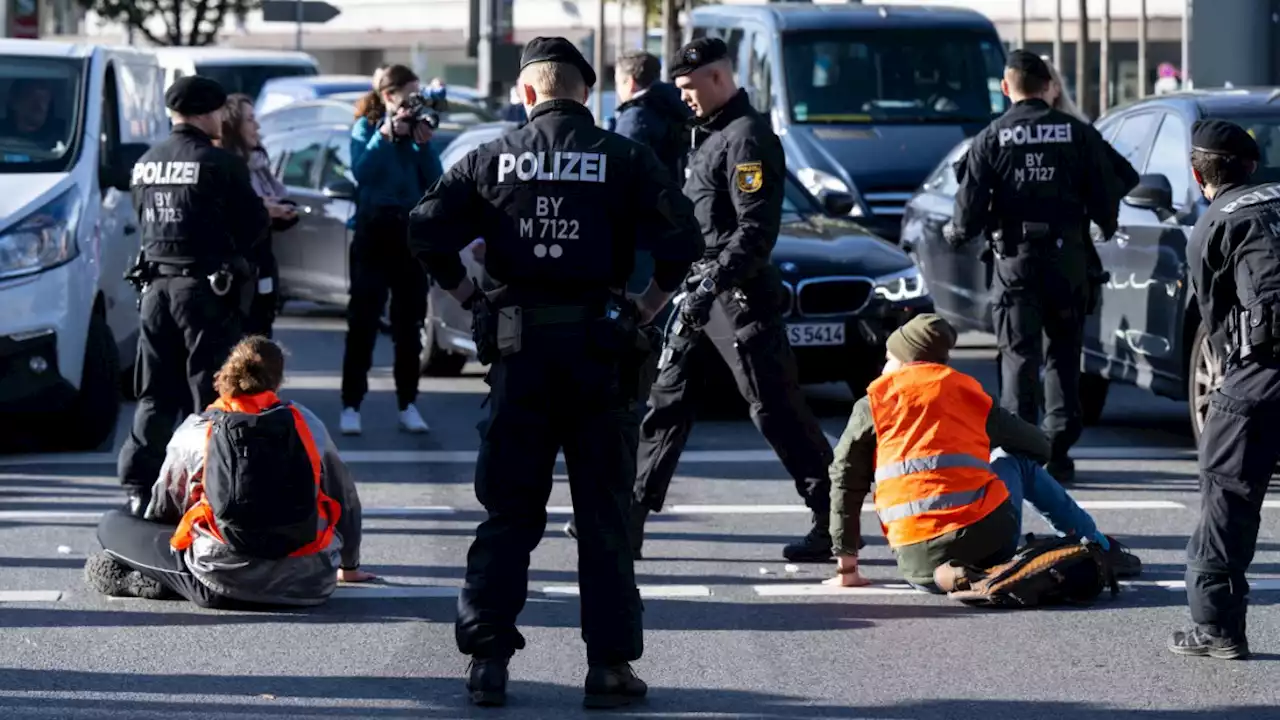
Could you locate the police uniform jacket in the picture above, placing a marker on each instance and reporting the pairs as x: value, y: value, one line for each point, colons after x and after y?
x: 736, y: 182
x: 195, y: 203
x: 560, y: 204
x: 1035, y: 164
x: 1233, y: 263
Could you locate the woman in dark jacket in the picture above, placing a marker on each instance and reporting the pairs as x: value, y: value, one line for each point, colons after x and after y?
x: 240, y: 137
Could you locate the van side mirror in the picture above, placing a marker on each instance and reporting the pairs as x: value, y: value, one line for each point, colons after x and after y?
x: 117, y: 170
x: 341, y: 189
x: 836, y: 204
x: 1153, y: 192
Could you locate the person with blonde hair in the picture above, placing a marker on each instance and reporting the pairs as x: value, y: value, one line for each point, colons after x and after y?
x: 253, y: 506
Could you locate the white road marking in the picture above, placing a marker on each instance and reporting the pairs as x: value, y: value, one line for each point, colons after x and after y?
x: 1131, y: 505
x: 468, y: 457
x: 646, y: 591
x: 395, y: 512
x: 30, y: 596
x: 1271, y: 503
x: 1255, y: 584
x: 50, y: 514
x: 816, y: 588
x: 359, y: 592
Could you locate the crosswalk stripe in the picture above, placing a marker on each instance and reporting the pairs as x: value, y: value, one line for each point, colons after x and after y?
x: 7, y: 596
x: 467, y: 457
x: 1255, y: 584
x: 814, y: 589
x: 355, y: 592
x: 646, y: 591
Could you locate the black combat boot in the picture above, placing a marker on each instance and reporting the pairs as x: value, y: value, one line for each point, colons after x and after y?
x: 487, y: 681
x: 1062, y: 469
x: 1123, y: 562
x: 115, y: 579
x: 612, y: 686
x: 1199, y: 643
x: 814, y: 547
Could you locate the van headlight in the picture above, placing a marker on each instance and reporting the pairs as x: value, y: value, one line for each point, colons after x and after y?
x: 44, y: 239
x: 906, y: 285
x: 815, y: 181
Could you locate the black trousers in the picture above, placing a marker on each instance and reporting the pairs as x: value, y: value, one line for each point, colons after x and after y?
x: 1037, y: 297
x: 381, y: 263
x: 144, y: 546
x: 558, y: 393
x: 1238, y: 453
x: 751, y: 338
x: 187, y: 332
x: 262, y: 312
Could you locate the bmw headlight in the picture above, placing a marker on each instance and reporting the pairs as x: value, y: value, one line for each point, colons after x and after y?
x: 906, y: 285
x: 815, y: 181
x: 44, y: 239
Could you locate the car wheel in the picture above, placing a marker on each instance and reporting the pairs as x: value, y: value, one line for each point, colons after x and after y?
x: 1093, y: 396
x: 1204, y: 375
x: 435, y: 361
x: 91, y: 418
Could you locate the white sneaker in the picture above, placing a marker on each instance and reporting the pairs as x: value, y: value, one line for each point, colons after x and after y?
x: 411, y: 421
x: 350, y: 421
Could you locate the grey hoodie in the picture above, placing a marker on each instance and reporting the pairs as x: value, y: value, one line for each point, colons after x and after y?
x: 306, y: 580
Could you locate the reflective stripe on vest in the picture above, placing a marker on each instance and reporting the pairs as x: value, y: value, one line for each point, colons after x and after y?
x: 932, y: 462
x: 934, y: 502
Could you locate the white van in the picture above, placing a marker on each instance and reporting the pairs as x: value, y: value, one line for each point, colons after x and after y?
x: 73, y: 121
x: 237, y: 70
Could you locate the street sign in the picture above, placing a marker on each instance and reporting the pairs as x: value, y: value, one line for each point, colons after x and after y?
x: 313, y: 11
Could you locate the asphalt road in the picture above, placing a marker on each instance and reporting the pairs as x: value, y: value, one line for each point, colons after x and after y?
x: 730, y: 631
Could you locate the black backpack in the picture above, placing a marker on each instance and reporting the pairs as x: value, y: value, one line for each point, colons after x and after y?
x: 1046, y: 571
x: 260, y: 483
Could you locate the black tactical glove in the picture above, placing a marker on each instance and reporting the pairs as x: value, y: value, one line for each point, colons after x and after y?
x: 695, y: 310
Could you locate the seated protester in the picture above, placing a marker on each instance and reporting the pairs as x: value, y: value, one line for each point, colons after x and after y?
x: 253, y: 506
x: 951, y: 468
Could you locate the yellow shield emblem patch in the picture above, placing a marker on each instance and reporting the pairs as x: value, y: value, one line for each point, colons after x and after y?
x: 749, y: 176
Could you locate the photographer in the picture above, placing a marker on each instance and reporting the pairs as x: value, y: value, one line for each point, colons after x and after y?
x: 393, y: 164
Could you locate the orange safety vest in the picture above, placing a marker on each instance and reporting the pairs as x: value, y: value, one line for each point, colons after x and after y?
x: 201, y: 513
x: 932, y: 451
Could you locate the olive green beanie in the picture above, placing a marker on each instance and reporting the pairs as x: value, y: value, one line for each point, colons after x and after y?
x: 925, y: 338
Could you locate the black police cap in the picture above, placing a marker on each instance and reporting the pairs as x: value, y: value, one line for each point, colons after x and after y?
x: 1223, y: 138
x: 699, y: 53
x: 557, y: 49
x: 194, y: 95
x: 1029, y: 64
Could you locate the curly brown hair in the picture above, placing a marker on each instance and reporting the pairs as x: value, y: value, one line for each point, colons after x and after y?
x: 231, y: 120
x: 255, y: 365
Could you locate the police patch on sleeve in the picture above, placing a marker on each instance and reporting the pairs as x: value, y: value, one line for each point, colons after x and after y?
x: 749, y: 176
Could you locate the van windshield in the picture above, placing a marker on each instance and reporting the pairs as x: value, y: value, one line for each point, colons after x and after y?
x: 908, y: 75
x: 249, y: 79
x: 40, y: 116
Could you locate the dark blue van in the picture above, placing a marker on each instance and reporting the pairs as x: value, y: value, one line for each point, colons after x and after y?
x: 866, y: 99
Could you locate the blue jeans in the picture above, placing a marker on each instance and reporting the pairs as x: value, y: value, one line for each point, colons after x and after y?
x: 1027, y: 481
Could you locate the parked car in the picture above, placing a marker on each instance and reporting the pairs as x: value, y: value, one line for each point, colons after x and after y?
x: 68, y: 231
x: 845, y: 289
x: 465, y: 109
x: 279, y: 92
x: 1147, y: 330
x: 238, y: 70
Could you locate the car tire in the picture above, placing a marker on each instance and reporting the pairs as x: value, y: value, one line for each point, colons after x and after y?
x: 1093, y: 397
x: 435, y: 361
x: 1204, y: 375
x: 91, y: 418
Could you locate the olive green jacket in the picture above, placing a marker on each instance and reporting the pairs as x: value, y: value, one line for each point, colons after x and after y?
x: 853, y: 471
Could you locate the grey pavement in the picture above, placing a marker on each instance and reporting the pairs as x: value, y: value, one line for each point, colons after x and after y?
x: 731, y: 631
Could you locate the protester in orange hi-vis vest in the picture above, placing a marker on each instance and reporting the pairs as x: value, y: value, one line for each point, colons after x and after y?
x: 253, y: 506
x: 951, y: 468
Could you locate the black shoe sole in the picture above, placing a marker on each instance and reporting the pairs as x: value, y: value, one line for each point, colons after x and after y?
x: 609, y: 702
x: 1235, y: 652
x: 809, y: 558
x: 488, y: 698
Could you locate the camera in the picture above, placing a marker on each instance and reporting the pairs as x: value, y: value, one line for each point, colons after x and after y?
x: 425, y: 107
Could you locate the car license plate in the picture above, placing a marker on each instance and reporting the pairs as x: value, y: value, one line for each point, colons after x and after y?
x: 816, y: 334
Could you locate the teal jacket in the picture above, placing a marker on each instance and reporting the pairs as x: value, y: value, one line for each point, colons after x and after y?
x: 395, y: 174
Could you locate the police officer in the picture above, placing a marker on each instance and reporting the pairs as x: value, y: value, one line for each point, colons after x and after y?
x: 735, y: 179
x: 1236, y: 281
x: 199, y: 217
x: 1030, y: 180
x: 560, y: 204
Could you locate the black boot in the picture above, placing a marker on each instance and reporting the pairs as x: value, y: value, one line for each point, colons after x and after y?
x: 815, y: 546
x: 612, y: 686
x: 639, y: 514
x: 113, y: 578
x: 487, y: 681
x: 1062, y: 469
x: 1199, y: 643
x: 138, y: 500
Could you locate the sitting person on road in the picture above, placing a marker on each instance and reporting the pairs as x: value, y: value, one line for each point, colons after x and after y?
x: 253, y: 506
x: 951, y: 468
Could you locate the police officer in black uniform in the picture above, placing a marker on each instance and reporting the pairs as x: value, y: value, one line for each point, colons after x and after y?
x: 1236, y: 281
x: 1031, y: 181
x: 735, y: 179
x: 199, y: 218
x: 560, y: 204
